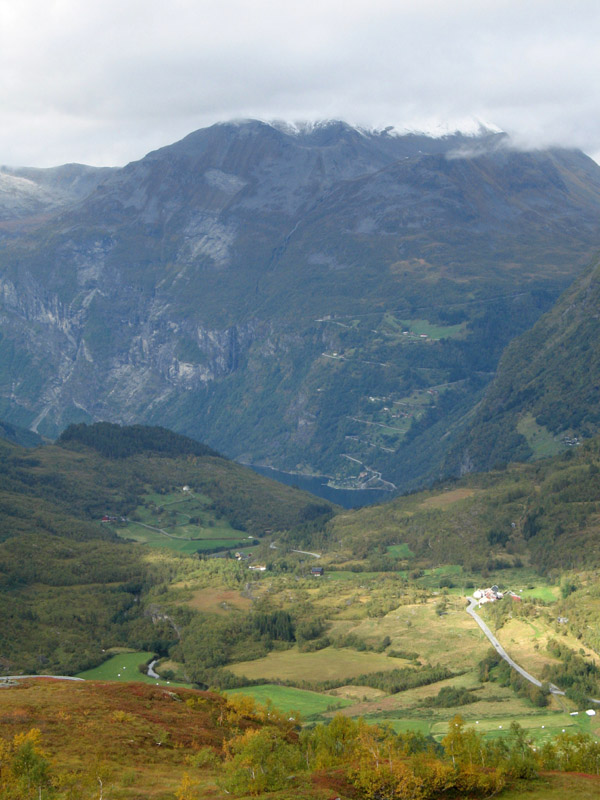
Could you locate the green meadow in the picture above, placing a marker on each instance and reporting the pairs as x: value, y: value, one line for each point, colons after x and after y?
x: 182, y: 522
x: 124, y: 667
x: 289, y: 699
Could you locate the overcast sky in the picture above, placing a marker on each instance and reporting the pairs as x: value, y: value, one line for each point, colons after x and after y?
x: 105, y: 82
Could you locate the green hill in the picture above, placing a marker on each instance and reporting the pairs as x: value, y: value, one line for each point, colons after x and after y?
x: 543, y: 514
x: 73, y: 583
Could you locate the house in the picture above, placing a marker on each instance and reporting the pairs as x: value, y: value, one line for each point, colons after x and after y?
x: 488, y: 595
x: 316, y: 571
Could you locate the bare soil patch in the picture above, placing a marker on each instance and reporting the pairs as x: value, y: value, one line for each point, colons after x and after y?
x: 448, y: 498
x: 218, y: 601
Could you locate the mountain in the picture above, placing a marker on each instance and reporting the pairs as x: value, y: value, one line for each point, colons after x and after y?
x: 29, y: 195
x: 546, y: 395
x: 322, y: 300
x: 17, y: 435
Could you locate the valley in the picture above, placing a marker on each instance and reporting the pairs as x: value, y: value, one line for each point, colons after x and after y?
x: 381, y: 638
x: 402, y: 324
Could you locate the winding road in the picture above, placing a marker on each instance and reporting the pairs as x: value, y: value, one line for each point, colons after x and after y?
x: 501, y: 651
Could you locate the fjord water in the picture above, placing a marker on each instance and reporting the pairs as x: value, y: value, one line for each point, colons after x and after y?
x: 317, y: 484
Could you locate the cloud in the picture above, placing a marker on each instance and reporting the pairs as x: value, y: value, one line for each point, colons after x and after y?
x: 106, y: 82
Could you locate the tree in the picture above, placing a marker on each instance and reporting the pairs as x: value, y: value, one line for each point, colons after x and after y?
x: 187, y: 788
x: 259, y: 761
x: 28, y: 764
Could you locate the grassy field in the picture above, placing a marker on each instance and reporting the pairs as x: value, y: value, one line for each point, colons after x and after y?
x: 405, y: 725
x: 539, y: 727
x: 423, y: 326
x: 181, y: 522
x: 180, y: 545
x: 492, y: 701
x: 419, y: 628
x: 124, y: 667
x: 288, y: 699
x: 447, y: 499
x: 549, y: 594
x: 143, y: 535
x: 357, y: 693
x: 542, y: 442
x: 327, y: 664
x: 526, y: 640
x: 400, y: 550
x: 562, y: 786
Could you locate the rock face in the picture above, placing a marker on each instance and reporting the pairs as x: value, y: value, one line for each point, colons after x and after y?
x: 321, y: 299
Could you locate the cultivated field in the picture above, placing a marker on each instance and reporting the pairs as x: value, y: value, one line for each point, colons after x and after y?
x: 290, y: 699
x: 181, y: 522
x: 526, y: 640
x: 542, y: 442
x: 218, y: 601
x: 327, y: 664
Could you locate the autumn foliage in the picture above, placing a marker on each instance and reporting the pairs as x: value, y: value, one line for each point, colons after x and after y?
x: 92, y: 741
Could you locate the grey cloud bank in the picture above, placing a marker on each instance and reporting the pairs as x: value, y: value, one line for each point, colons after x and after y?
x: 105, y: 84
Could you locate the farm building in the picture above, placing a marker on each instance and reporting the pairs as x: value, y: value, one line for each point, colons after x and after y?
x: 488, y: 595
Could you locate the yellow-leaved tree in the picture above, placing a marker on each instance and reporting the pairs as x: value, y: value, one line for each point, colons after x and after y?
x: 260, y: 761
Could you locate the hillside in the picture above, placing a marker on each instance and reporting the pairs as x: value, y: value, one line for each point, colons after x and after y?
x: 322, y: 300
x: 546, y: 394
x: 128, y: 741
x: 543, y: 515
x: 90, y: 740
x: 18, y: 435
x: 72, y: 584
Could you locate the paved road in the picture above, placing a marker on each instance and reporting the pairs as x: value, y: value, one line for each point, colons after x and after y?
x: 306, y: 553
x: 273, y: 546
x: 501, y: 651
x: 54, y: 677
